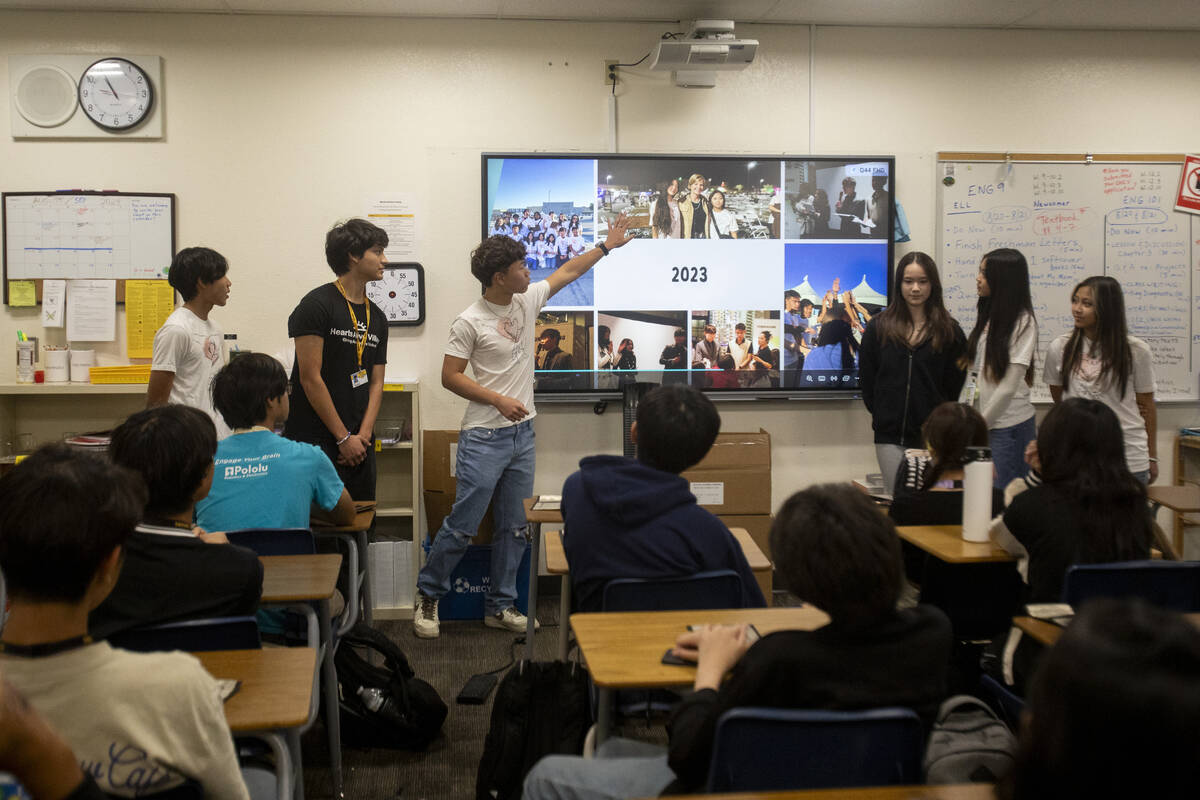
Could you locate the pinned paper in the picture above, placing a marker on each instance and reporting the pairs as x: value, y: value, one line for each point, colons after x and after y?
x: 54, y: 301
x: 22, y: 294
x: 91, y: 311
x: 147, y: 306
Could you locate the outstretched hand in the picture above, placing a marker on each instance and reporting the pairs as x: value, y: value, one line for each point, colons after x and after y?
x: 618, y: 232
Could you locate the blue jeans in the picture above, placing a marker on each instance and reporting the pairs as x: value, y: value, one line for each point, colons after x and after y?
x: 494, y: 465
x: 1008, y: 450
x: 622, y: 768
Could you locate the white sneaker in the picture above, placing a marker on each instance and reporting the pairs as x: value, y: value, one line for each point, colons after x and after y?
x: 510, y: 620
x: 425, y: 618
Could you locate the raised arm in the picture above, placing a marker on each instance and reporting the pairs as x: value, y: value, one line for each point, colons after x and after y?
x: 573, y: 269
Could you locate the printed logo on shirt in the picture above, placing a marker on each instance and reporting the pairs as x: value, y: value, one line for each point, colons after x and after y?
x: 236, y: 468
x: 212, y: 350
x: 510, y: 328
x: 349, y: 336
x: 128, y: 768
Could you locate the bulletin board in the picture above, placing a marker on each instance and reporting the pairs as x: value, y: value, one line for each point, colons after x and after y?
x: 86, y: 234
x: 1076, y: 215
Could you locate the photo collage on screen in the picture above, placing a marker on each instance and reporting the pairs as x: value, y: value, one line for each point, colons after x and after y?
x: 747, y: 275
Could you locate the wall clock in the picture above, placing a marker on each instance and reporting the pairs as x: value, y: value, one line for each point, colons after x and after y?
x: 116, y: 94
x: 400, y: 293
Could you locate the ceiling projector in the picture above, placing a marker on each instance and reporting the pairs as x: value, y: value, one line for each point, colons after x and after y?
x: 710, y: 46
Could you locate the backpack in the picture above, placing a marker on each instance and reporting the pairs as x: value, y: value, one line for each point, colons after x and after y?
x: 408, y: 713
x: 968, y: 744
x: 541, y: 708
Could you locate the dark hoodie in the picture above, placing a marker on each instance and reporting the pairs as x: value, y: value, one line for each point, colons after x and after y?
x: 624, y: 519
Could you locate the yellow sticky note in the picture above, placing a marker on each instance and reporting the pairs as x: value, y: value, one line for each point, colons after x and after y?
x: 22, y: 294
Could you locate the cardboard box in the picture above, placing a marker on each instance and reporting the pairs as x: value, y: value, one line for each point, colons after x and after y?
x: 735, y: 476
x: 439, y: 449
x: 469, y: 584
x: 437, y: 507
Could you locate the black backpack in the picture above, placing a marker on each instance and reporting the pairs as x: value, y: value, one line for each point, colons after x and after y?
x: 408, y: 713
x: 541, y: 708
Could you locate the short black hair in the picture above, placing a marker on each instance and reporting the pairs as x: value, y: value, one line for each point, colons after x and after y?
x: 172, y: 448
x: 494, y: 254
x: 192, y: 266
x: 741, y: 326
x: 554, y: 332
x: 791, y: 293
x: 62, y: 512
x: 680, y: 332
x: 806, y: 303
x: 242, y: 388
x: 351, y: 238
x: 677, y: 426
x: 833, y: 548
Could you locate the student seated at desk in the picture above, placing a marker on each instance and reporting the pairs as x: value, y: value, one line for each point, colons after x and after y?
x: 834, y: 549
x: 173, y: 571
x: 138, y: 723
x: 1114, y: 709
x: 262, y: 480
x: 1089, y: 509
x: 929, y: 483
x: 637, y: 518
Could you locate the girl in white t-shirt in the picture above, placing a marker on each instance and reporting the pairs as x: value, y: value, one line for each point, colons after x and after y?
x: 666, y: 221
x: 1099, y: 360
x: 531, y: 259
x: 551, y: 256
x: 576, y: 243
x: 540, y: 249
x: 724, y: 222
x: 1000, y: 355
x: 564, y: 244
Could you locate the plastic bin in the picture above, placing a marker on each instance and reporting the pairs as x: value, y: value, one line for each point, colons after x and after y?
x: 469, y: 582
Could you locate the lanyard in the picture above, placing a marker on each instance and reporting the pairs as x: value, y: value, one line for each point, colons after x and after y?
x: 359, y: 344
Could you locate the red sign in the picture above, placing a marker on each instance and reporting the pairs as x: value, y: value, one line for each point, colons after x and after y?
x: 1189, y: 186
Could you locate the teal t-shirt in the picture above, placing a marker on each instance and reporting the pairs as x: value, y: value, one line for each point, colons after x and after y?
x: 261, y: 480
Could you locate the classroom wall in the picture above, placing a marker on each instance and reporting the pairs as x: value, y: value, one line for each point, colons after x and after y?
x: 278, y: 126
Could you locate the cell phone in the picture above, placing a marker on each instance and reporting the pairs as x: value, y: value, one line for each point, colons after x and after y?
x: 669, y: 657
x: 752, y: 634
x: 476, y: 690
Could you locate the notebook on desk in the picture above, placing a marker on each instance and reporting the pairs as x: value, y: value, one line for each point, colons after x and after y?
x: 548, y: 502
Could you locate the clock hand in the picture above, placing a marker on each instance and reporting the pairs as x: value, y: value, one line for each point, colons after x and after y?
x: 110, y: 86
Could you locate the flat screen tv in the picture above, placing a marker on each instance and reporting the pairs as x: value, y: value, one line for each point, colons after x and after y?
x: 750, y: 276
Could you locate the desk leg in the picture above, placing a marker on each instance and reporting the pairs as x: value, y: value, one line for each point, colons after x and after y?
x: 329, y: 680
x: 535, y: 539
x: 293, y: 743
x: 364, y: 564
x: 604, y: 704
x: 564, y: 614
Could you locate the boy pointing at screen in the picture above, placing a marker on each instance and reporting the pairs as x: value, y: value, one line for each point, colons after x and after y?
x: 494, y: 335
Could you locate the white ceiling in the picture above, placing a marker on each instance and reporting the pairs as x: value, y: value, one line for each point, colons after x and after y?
x: 1076, y: 14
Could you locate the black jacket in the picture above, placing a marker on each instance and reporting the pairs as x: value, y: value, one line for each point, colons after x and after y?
x: 900, y: 386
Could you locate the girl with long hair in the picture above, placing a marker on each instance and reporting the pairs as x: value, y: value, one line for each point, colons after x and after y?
x: 1101, y: 361
x: 1088, y: 508
x: 908, y: 361
x: 724, y: 223
x: 1000, y: 355
x: 626, y: 360
x: 665, y: 219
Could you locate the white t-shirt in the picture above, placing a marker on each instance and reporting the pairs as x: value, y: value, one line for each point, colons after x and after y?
x: 1086, y: 382
x: 137, y: 722
x: 1022, y: 346
x: 740, y: 353
x: 190, y: 347
x: 497, y: 342
x: 726, y: 221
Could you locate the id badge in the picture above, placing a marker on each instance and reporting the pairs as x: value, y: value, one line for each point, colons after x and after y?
x: 970, y: 390
x: 358, y: 379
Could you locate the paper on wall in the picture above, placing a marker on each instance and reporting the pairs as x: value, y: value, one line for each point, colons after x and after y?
x: 91, y: 310
x: 396, y: 213
x: 54, y: 300
x: 147, y: 306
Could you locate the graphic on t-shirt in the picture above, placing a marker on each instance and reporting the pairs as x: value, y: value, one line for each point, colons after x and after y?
x: 510, y: 328
x: 211, y: 351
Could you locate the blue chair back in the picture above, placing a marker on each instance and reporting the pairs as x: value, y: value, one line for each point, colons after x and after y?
x: 275, y: 541
x: 1005, y: 700
x: 717, y: 589
x: 1169, y: 584
x: 193, y: 635
x: 766, y: 749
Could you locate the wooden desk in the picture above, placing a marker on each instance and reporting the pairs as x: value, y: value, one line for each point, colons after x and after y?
x: 357, y: 538
x: 958, y: 791
x: 1180, y: 499
x: 624, y: 650
x: 1047, y: 633
x: 305, y: 582
x: 277, y: 684
x: 945, y: 543
x: 556, y: 564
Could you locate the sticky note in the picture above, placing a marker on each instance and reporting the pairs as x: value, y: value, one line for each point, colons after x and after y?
x: 22, y: 294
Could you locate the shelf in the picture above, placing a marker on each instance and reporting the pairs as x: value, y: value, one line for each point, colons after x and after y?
x: 393, y: 612
x: 394, y: 511
x: 397, y: 446
x: 50, y: 389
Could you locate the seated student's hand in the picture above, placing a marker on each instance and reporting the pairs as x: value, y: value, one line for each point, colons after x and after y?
x: 715, y: 649
x: 1031, y: 456
x: 216, y: 537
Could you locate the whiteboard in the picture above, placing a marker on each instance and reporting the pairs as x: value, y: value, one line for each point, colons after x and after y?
x: 1073, y: 220
x: 88, y: 235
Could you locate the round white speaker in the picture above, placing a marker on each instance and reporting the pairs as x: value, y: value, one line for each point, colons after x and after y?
x: 45, y: 96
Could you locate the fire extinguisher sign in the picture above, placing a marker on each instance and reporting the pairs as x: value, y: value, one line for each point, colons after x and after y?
x: 1189, y: 186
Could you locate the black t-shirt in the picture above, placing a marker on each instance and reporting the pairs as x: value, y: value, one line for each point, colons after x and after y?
x: 323, y: 313
x: 699, y: 220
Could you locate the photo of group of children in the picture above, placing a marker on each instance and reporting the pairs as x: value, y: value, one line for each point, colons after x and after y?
x: 691, y: 198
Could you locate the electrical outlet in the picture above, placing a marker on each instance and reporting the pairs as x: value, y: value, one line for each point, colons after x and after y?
x: 611, y: 72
